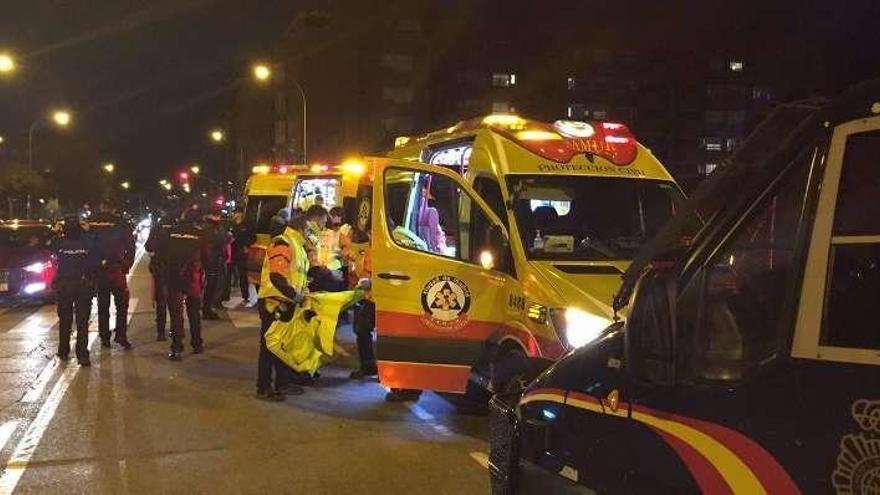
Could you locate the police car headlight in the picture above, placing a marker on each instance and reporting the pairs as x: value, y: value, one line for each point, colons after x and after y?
x: 578, y: 327
x: 37, y: 267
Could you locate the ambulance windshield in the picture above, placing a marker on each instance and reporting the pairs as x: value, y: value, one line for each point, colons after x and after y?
x: 581, y: 218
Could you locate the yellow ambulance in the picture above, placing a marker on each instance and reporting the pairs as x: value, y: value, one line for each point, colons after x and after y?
x: 296, y: 187
x: 498, y: 244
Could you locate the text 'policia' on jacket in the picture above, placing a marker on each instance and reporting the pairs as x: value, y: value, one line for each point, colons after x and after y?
x: 750, y: 358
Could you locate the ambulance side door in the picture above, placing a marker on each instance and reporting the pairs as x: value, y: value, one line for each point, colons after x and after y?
x: 436, y: 302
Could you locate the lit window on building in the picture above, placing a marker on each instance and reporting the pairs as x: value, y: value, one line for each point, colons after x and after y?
x: 571, y: 82
x: 503, y: 80
x: 708, y: 168
x: 760, y: 93
x: 501, y: 107
x: 731, y: 143
x: 736, y: 65
x: 600, y: 115
x: 398, y: 95
x: 713, y: 144
x: 398, y: 62
x: 576, y: 111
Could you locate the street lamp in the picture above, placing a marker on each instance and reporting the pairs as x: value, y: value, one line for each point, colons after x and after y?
x: 2, y: 139
x: 125, y: 185
x: 7, y: 63
x: 109, y: 167
x: 262, y: 73
x: 167, y: 185
x: 218, y: 136
x: 61, y: 118
x: 195, y: 169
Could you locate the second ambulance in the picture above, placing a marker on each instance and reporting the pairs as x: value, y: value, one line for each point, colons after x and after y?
x: 504, y: 252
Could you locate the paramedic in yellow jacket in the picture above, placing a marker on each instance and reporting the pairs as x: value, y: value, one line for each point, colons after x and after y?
x: 283, y: 286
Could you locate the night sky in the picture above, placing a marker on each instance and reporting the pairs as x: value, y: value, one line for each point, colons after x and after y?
x: 148, y: 79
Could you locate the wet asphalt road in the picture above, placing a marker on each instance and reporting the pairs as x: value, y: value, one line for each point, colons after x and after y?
x: 136, y: 423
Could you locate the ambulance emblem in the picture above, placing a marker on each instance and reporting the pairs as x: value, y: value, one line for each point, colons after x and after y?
x: 446, y: 300
x: 858, y: 463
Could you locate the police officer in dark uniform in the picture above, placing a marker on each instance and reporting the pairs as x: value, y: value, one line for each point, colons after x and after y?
x: 157, y: 246
x: 215, y: 263
x: 74, y: 284
x: 186, y: 255
x: 115, y: 241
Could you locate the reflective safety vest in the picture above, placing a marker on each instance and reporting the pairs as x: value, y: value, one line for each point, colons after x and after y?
x: 297, y: 275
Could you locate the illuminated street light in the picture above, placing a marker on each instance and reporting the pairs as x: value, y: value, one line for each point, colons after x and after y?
x: 61, y: 117
x: 167, y: 186
x: 2, y: 139
x: 125, y: 185
x: 262, y: 72
x: 7, y: 63
x: 163, y: 182
x: 218, y: 136
x: 195, y: 169
x: 109, y: 167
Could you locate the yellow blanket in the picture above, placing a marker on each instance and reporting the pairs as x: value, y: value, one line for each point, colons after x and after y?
x: 305, y: 341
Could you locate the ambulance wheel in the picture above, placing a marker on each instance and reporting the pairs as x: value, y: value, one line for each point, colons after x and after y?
x: 511, y: 371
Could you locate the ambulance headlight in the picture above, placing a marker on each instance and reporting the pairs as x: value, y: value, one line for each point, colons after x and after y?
x: 577, y: 327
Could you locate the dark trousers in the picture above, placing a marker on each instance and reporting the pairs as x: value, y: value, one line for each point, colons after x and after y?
x: 268, y: 363
x: 113, y: 283
x: 364, y: 324
x: 160, y: 296
x: 74, y: 300
x: 238, y: 271
x: 213, y: 285
x: 177, y: 298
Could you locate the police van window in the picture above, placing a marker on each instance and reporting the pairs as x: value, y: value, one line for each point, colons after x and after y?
x: 731, y: 316
x: 431, y: 213
x: 259, y: 211
x: 490, y: 191
x: 853, y: 286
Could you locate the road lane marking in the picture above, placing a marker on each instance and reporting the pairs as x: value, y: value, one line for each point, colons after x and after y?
x: 429, y: 419
x: 37, y: 387
x: 482, y: 459
x: 45, y: 376
x: 6, y: 431
x: 24, y: 450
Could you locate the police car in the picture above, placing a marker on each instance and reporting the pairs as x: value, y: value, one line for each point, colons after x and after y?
x: 750, y: 358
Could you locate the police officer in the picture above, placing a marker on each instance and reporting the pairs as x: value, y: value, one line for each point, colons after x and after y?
x: 186, y: 254
x: 242, y: 237
x: 115, y: 241
x: 157, y: 246
x: 74, y: 283
x: 215, y: 263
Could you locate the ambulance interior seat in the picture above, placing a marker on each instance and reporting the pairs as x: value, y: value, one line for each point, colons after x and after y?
x: 545, y: 219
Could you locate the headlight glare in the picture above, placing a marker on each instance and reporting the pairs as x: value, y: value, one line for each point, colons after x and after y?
x: 581, y: 327
x: 37, y: 267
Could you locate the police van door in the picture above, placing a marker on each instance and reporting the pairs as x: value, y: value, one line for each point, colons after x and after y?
x: 837, y: 332
x: 438, y: 287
